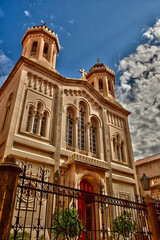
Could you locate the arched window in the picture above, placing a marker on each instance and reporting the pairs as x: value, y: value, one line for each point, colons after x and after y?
x: 7, y: 109
x: 122, y: 152
x: 81, y: 128
x: 43, y: 124
x: 100, y: 85
x: 35, y: 124
x: 69, y: 128
x: 114, y: 148
x: 93, y: 137
x: 109, y: 87
x: 37, y: 120
x: 28, y: 126
x: 45, y: 50
x: 34, y: 48
x: 118, y: 148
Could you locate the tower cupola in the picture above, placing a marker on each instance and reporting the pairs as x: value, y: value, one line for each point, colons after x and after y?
x: 41, y: 44
x: 102, y: 78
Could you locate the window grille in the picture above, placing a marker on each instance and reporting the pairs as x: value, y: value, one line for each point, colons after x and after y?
x: 28, y: 121
x: 81, y: 130
x: 93, y: 140
x: 69, y: 130
x: 35, y: 125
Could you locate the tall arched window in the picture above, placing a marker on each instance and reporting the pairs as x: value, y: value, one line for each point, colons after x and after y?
x: 118, y: 148
x: 45, y: 50
x: 43, y: 124
x: 34, y: 48
x: 93, y: 137
x: 36, y: 122
x: 122, y: 152
x: 81, y: 128
x: 69, y: 128
x: 100, y: 85
x: 29, y: 119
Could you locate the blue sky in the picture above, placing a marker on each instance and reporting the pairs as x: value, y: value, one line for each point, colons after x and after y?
x: 123, y: 34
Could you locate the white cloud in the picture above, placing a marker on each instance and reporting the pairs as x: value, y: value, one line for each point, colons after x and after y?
x: 1, y: 13
x: 61, y: 28
x: 140, y: 93
x: 5, y: 67
x: 153, y: 33
x: 52, y: 16
x: 68, y: 34
x: 70, y: 21
x: 27, y: 13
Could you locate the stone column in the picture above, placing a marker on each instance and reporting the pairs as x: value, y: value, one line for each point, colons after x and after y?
x: 152, y: 218
x: 9, y: 175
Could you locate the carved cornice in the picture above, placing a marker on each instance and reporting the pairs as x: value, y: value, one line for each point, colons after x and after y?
x: 40, y: 85
x: 115, y: 120
x: 82, y: 93
x: 87, y: 160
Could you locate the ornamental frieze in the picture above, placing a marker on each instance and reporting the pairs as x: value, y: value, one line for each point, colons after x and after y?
x: 83, y: 93
x: 88, y: 160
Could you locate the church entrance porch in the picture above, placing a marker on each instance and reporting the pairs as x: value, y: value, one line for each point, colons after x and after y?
x: 48, y: 211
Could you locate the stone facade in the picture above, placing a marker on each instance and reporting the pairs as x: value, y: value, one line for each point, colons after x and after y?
x: 151, y: 167
x: 73, y: 127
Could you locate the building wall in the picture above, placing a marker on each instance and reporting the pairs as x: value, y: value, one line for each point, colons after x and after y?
x: 37, y: 88
x: 151, y: 167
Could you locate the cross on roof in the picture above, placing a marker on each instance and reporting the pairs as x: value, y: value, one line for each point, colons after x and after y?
x: 98, y: 60
x: 43, y: 24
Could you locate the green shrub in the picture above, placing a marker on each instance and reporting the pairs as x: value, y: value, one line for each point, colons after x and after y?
x: 19, y: 236
x: 123, y: 224
x: 67, y: 223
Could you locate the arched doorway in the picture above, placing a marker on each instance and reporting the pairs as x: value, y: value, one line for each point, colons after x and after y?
x: 87, y: 210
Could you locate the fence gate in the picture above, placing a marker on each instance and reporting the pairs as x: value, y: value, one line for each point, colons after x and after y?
x: 46, y: 211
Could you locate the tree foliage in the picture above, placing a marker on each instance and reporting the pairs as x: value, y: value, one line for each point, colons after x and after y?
x: 67, y: 223
x: 123, y: 224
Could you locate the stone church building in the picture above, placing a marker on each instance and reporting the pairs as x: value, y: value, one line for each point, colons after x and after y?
x: 73, y: 127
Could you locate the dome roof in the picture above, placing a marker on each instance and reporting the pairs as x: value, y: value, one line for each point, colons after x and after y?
x: 99, y: 67
x: 44, y: 29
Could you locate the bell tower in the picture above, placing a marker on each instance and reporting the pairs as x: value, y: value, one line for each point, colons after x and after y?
x: 102, y: 78
x: 41, y: 45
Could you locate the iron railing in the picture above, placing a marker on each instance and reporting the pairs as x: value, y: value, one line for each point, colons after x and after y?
x: 44, y: 210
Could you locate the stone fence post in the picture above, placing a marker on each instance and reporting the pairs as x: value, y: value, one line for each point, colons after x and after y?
x: 9, y: 175
x: 152, y: 217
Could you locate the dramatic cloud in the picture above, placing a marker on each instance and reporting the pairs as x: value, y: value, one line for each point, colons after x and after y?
x: 27, y: 13
x: 139, y: 92
x: 5, y: 67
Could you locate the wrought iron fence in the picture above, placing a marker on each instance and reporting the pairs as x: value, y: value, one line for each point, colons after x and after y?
x: 44, y: 210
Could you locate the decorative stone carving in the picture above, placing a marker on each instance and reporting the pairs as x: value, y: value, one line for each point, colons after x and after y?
x: 83, y: 93
x: 88, y: 160
x: 41, y: 85
x: 116, y: 120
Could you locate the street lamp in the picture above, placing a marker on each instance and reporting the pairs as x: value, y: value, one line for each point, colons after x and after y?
x: 145, y: 182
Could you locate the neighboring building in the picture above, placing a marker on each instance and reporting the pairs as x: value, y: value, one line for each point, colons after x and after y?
x: 71, y: 126
x: 151, y: 167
